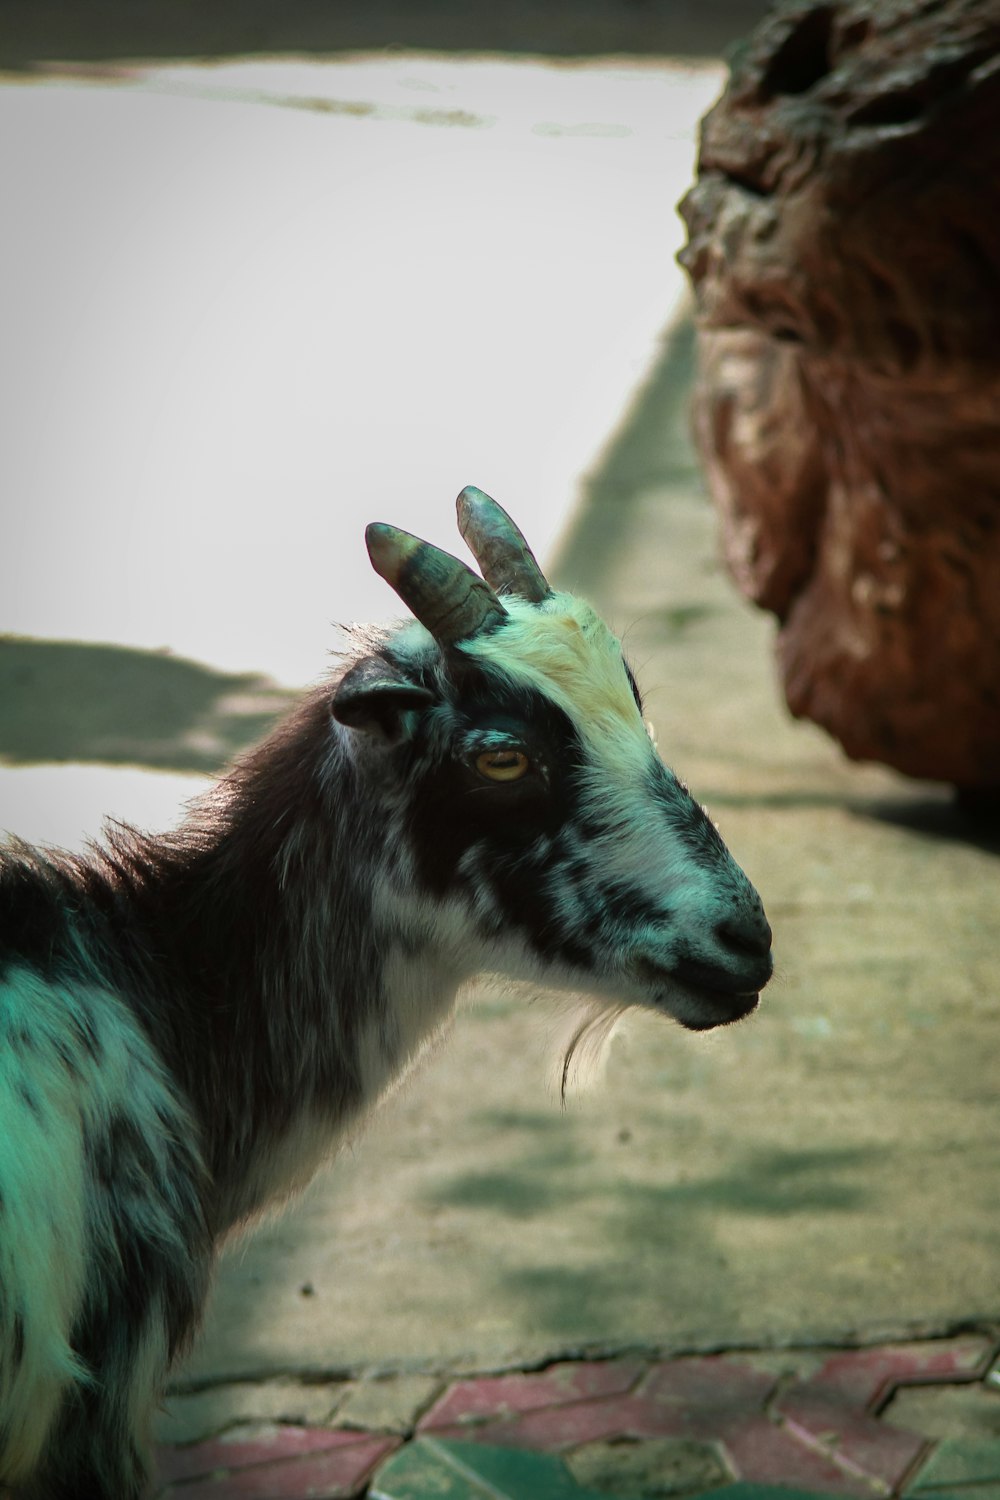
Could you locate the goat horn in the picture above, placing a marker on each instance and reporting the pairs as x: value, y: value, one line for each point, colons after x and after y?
x: 446, y: 596
x: 507, y: 562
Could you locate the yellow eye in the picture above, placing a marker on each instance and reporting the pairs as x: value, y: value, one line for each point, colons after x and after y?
x: 502, y: 765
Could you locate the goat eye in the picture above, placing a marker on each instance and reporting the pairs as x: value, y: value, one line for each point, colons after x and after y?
x: 502, y: 765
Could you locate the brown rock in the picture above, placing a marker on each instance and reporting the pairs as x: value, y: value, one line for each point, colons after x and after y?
x: 844, y: 245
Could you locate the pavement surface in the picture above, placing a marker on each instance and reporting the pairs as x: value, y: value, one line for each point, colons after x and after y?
x: 915, y: 1419
x: 767, y: 1256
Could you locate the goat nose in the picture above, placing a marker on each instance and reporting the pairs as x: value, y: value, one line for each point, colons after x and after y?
x: 747, y: 934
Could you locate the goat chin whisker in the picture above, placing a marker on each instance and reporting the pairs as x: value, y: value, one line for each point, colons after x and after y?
x: 193, y: 1022
x: 585, y: 1053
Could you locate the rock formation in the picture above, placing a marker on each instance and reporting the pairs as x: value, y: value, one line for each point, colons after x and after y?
x: 844, y: 246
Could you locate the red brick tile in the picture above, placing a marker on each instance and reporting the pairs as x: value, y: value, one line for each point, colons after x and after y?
x: 566, y: 1405
x: 763, y: 1452
x: 827, y: 1417
x: 237, y: 1452
x: 724, y: 1399
x: 865, y: 1377
x: 336, y: 1474
x: 469, y: 1401
x: 712, y: 1390
x: 698, y: 1399
x: 554, y: 1428
x: 949, y: 1359
x: 833, y: 1410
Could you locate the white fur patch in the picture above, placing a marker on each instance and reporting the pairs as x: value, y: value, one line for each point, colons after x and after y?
x: 564, y: 650
x: 426, y: 960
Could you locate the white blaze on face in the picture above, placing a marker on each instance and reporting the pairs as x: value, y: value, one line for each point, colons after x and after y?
x: 564, y: 650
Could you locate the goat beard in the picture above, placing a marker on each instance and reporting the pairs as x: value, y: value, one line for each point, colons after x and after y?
x: 584, y: 1049
x: 580, y: 1027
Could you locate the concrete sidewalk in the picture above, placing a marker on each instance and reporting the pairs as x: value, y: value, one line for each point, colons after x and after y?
x: 824, y: 1172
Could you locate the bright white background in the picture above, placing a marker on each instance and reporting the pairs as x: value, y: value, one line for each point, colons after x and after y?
x: 247, y: 308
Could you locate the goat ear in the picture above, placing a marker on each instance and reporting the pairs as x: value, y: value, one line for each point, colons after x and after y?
x: 374, y: 696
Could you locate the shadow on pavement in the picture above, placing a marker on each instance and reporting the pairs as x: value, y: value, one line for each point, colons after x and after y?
x: 553, y: 1177
x: 773, y: 1182
x: 37, y: 31
x: 947, y: 816
x: 71, y: 701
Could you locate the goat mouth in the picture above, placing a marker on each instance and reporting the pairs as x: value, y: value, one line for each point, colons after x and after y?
x: 737, y: 1008
x: 708, y: 1005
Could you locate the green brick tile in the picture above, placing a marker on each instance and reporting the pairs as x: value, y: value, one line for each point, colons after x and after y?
x: 988, y: 1491
x: 440, y: 1469
x: 744, y: 1491
x: 960, y: 1461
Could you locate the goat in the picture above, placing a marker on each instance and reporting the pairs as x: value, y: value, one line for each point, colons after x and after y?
x: 190, y: 1022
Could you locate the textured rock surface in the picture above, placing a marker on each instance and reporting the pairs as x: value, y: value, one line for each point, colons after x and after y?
x: 844, y: 244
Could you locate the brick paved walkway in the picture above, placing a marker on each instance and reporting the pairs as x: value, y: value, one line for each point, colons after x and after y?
x: 918, y: 1419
